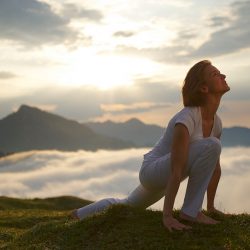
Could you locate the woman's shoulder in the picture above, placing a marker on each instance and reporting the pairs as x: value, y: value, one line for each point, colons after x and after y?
x: 186, y: 114
x: 190, y: 111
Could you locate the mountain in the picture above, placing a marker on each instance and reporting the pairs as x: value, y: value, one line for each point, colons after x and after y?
x: 144, y: 135
x: 30, y: 128
x: 236, y: 136
x: 141, y: 134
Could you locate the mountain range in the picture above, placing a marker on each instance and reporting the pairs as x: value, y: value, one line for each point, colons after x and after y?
x: 33, y: 129
x: 141, y: 134
x: 145, y: 135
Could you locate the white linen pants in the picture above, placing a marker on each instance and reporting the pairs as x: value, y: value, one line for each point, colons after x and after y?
x: 154, y: 174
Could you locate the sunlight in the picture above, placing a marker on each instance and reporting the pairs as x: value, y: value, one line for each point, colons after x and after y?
x: 103, y: 71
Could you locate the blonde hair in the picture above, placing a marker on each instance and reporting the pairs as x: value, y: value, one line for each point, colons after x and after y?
x: 191, y: 94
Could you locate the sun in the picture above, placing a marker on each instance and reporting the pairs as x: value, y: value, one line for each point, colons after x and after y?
x: 102, y: 71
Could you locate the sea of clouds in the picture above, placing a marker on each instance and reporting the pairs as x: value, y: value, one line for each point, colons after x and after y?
x: 96, y: 175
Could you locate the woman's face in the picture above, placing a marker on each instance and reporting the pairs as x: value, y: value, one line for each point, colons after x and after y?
x: 215, y: 82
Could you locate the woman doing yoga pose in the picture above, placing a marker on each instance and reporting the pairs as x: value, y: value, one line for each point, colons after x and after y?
x: 189, y: 148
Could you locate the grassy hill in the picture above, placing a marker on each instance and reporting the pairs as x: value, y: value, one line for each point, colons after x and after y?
x: 44, y: 224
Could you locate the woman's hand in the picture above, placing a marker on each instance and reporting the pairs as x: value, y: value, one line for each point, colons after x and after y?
x: 171, y: 223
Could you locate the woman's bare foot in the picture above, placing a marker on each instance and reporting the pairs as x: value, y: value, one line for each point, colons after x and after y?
x: 214, y: 211
x: 73, y: 215
x: 187, y: 217
x: 200, y: 218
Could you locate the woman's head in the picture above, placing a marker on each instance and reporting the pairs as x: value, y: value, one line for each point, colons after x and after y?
x: 191, y: 90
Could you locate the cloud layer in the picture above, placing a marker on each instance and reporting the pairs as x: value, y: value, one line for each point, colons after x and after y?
x: 35, y: 23
x: 235, y: 36
x: 95, y: 175
x: 229, y: 34
x: 5, y: 75
x: 85, y: 103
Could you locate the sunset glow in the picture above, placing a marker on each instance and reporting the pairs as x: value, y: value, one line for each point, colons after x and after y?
x: 120, y: 53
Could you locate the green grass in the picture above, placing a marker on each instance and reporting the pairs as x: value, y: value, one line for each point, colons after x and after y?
x: 44, y: 224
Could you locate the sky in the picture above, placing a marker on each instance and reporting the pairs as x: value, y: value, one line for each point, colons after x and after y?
x: 102, y: 174
x: 116, y: 59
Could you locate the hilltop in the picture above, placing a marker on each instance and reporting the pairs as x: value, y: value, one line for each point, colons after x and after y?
x: 44, y: 224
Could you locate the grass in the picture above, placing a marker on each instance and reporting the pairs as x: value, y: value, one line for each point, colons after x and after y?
x: 44, y: 224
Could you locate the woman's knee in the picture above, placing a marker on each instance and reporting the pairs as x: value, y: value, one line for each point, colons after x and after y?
x: 153, y: 174
x: 214, y: 145
x: 208, y: 146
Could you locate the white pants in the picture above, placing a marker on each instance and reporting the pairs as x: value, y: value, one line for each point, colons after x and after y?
x: 154, y: 173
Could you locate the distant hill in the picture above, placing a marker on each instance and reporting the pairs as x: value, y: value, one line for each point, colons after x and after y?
x: 236, y: 136
x: 144, y: 135
x: 141, y: 134
x: 30, y: 128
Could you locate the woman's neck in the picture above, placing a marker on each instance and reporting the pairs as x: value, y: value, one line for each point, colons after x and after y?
x: 209, y: 109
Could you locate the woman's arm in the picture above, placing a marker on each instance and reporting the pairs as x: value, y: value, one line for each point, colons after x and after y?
x: 179, y: 156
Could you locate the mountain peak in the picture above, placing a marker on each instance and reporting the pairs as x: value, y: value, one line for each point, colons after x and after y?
x: 25, y: 108
x: 31, y: 128
x: 134, y: 121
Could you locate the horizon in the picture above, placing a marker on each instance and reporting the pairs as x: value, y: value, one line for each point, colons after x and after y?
x: 115, y: 60
x: 108, y: 120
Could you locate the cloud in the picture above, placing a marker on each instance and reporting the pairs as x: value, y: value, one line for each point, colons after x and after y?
x: 34, y: 23
x: 96, y: 175
x: 230, y: 33
x: 7, y: 75
x: 85, y: 103
x: 229, y: 112
x: 219, y: 21
x: 147, y: 99
x: 236, y: 161
x: 132, y: 108
x: 123, y: 33
x: 144, y: 95
x: 168, y: 54
x: 81, y: 104
x: 74, y: 11
x: 34, y: 173
x: 178, y: 3
x: 232, y: 38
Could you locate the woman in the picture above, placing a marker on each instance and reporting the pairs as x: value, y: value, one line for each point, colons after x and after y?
x: 190, y: 147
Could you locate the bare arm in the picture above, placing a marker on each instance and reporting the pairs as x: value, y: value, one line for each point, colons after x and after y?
x: 179, y: 156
